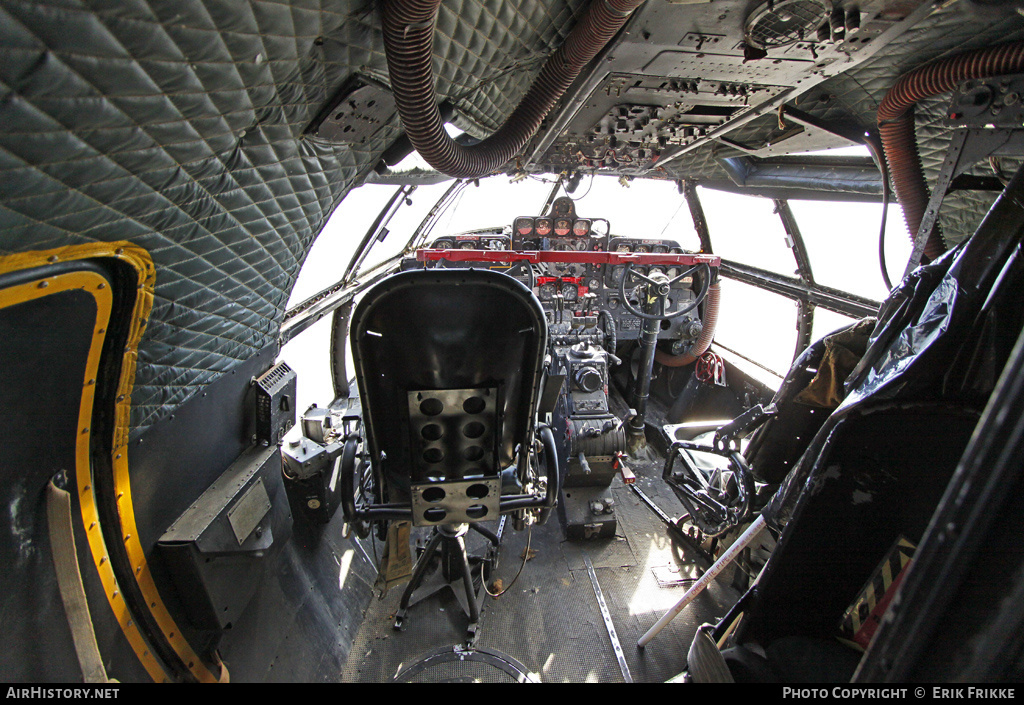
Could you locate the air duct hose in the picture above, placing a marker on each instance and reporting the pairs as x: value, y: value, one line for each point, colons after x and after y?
x: 408, y: 44
x: 896, y: 123
x: 707, y: 334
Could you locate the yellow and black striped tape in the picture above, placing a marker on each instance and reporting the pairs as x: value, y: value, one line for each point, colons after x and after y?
x: 898, y: 557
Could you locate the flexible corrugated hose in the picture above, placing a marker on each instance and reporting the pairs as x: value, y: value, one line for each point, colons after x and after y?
x: 408, y: 43
x: 896, y: 123
x: 707, y: 333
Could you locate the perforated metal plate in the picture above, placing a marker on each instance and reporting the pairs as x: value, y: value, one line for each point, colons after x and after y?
x: 453, y: 432
x: 457, y: 501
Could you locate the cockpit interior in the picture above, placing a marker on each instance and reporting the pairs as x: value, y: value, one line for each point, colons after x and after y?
x: 577, y: 341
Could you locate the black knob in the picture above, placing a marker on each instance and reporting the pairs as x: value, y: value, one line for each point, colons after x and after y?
x: 588, y: 379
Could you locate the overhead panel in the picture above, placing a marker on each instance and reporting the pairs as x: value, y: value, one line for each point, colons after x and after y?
x: 681, y: 71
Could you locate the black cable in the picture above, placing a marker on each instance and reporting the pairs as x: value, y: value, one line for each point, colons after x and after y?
x: 589, y: 186
x: 881, y: 235
x: 884, y: 170
x: 526, y: 557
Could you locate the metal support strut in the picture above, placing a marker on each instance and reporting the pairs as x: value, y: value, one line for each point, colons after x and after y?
x: 635, y: 436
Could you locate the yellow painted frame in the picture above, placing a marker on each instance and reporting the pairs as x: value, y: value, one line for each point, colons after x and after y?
x: 99, y: 288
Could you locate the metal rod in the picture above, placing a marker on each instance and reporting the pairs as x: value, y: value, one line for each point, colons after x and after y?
x: 427, y: 224
x: 700, y: 223
x: 609, y: 625
x: 301, y: 317
x: 747, y: 359
x: 383, y: 218
x: 752, y: 532
x: 642, y: 388
x: 551, y: 196
x: 826, y: 297
x: 467, y: 580
x: 789, y: 224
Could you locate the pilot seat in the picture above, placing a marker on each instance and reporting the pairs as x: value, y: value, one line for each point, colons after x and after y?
x: 449, y: 367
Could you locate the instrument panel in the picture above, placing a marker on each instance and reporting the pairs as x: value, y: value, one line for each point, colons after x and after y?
x: 577, y: 267
x: 472, y: 241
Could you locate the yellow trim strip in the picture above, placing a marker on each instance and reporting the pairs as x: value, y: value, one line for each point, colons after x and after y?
x: 96, y: 285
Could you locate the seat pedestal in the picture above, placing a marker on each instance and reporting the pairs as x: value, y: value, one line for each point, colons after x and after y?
x: 454, y: 572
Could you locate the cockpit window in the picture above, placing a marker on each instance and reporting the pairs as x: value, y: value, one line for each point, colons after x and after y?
x: 643, y: 209
x: 826, y: 322
x: 764, y: 332
x: 334, y: 247
x: 747, y: 230
x: 493, y: 204
x: 402, y: 226
x: 842, y: 244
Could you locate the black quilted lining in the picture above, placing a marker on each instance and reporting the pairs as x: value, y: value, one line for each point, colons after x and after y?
x: 178, y: 124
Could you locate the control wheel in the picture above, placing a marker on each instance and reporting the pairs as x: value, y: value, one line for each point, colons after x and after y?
x: 519, y: 266
x: 661, y: 286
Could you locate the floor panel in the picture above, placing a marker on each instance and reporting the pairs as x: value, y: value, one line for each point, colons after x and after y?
x: 549, y: 620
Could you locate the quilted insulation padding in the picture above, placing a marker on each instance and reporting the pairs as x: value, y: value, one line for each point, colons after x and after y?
x: 178, y: 124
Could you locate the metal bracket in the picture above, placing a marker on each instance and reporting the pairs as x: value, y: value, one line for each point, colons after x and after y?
x: 967, y: 147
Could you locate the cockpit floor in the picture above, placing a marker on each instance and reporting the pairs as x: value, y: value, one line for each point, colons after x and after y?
x: 550, y: 620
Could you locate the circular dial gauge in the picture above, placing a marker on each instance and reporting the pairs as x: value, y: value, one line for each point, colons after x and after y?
x: 581, y: 245
x: 543, y: 226
x: 660, y: 248
x: 468, y: 245
x: 594, y: 284
x: 561, y: 245
x: 581, y: 228
x: 562, y: 227
x: 643, y: 248
x: 570, y: 292
x: 562, y: 206
x: 546, y: 291
x: 443, y: 244
x: 524, y: 226
x: 623, y: 247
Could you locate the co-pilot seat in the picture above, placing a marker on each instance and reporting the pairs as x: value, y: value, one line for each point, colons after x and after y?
x: 449, y: 365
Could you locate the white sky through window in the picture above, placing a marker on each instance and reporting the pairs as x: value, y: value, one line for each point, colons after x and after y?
x: 841, y: 240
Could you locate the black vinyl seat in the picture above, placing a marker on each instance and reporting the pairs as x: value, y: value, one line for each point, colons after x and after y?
x: 449, y: 367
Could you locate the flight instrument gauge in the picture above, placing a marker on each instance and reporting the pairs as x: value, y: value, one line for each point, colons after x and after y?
x: 564, y: 207
x: 546, y: 292
x: 581, y: 228
x: 524, y: 226
x: 543, y: 226
x: 570, y: 292
x: 562, y: 226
